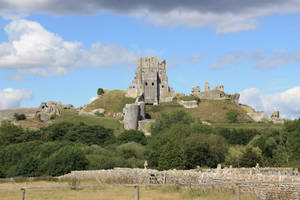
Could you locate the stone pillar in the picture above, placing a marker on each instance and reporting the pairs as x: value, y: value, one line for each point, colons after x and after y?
x: 142, y: 110
x: 131, y: 116
x: 206, y: 87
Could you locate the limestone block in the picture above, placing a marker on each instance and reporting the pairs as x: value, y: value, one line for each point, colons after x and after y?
x: 189, y: 104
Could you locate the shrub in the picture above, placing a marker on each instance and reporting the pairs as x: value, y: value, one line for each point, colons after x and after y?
x: 251, y: 156
x: 132, y: 136
x: 29, y: 167
x: 2, y: 175
x: 65, y: 160
x: 99, y: 114
x: 19, y: 117
x: 100, y: 91
x: 232, y: 116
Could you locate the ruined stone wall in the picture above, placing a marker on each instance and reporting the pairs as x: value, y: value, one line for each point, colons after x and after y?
x: 151, y: 81
x: 9, y: 113
x: 266, y: 183
x: 188, y: 104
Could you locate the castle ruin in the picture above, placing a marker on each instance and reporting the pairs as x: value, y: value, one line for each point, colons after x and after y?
x: 151, y: 81
x: 216, y: 94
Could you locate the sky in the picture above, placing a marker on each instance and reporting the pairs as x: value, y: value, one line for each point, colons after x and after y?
x: 66, y: 50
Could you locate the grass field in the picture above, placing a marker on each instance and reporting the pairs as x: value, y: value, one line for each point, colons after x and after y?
x: 117, y: 193
x: 208, y: 110
x: 71, y: 116
x: 112, y: 101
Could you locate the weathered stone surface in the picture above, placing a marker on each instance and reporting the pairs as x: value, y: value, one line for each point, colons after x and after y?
x: 131, y: 116
x: 143, y: 124
x: 216, y: 94
x: 53, y: 108
x: 151, y: 81
x: 266, y: 183
x: 9, y: 113
x: 188, y: 104
x: 259, y: 116
x: 99, y: 110
x: 275, y: 115
x: 206, y: 87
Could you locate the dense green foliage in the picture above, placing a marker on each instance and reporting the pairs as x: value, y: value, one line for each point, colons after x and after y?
x: 178, y: 141
x: 100, y: 91
x: 232, y: 116
x: 19, y: 117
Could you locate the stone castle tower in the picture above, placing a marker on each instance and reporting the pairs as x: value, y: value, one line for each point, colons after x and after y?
x: 151, y: 81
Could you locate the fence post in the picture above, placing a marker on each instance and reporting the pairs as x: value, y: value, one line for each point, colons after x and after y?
x: 238, y: 192
x: 137, y: 192
x: 23, y: 193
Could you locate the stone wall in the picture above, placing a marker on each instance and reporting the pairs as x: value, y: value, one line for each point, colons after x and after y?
x: 188, y: 104
x: 9, y: 113
x: 266, y: 183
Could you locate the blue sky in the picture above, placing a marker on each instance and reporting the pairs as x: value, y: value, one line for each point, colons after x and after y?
x: 65, y: 51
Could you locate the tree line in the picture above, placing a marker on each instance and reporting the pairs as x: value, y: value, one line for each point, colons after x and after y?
x: 178, y: 141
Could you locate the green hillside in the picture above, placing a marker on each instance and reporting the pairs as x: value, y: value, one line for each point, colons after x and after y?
x: 112, y: 101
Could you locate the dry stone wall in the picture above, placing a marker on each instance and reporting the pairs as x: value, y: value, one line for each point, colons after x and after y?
x: 266, y: 183
x: 9, y: 113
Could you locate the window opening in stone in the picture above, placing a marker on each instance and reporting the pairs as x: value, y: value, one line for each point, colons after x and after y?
x: 162, y: 86
x: 146, y: 83
x: 152, y: 84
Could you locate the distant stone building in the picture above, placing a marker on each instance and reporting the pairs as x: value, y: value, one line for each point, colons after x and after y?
x: 216, y: 94
x: 150, y: 83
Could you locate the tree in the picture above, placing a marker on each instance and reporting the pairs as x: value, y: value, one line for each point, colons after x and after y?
x: 65, y: 160
x: 251, y: 157
x: 29, y: 167
x: 132, y: 136
x: 19, y: 117
x: 100, y: 91
x: 171, y: 157
x: 204, y: 150
x: 2, y: 175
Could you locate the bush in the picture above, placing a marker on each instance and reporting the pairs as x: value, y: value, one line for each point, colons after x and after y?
x: 65, y: 160
x: 19, y: 117
x: 132, y: 136
x: 99, y: 114
x: 2, y: 175
x: 251, y: 157
x: 100, y: 91
x: 29, y: 167
x: 232, y: 116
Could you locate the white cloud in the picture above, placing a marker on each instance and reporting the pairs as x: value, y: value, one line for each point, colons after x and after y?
x: 12, y: 98
x: 287, y: 102
x: 260, y: 59
x: 31, y: 49
x: 224, y: 15
x: 194, y: 59
x: 223, y: 62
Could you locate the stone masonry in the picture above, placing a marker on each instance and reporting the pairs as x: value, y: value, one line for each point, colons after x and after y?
x: 151, y: 81
x: 266, y: 183
x: 216, y: 94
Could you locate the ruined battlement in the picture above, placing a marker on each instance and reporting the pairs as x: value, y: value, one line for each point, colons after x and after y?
x: 150, y: 81
x: 216, y: 94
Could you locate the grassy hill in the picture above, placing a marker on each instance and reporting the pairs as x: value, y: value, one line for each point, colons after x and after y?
x: 208, y: 110
x: 112, y: 101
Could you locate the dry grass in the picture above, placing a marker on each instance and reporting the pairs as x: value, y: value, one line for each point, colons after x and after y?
x: 207, y: 110
x: 112, y: 101
x: 117, y: 193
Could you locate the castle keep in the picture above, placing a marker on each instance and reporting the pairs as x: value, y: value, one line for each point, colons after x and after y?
x: 151, y: 81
